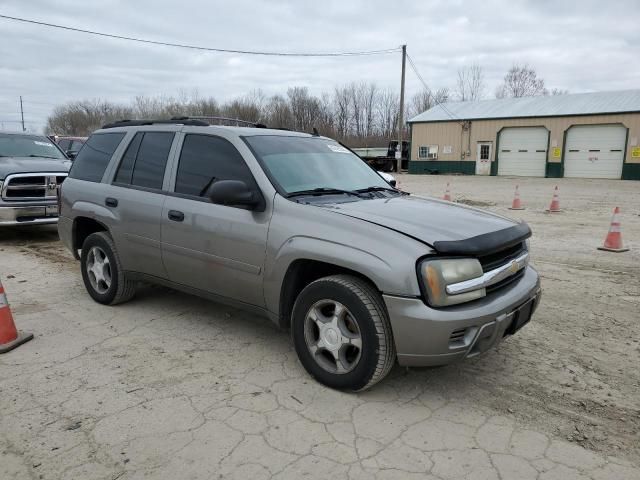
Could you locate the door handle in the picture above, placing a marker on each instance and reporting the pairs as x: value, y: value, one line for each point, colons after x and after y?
x: 111, y: 202
x: 176, y: 216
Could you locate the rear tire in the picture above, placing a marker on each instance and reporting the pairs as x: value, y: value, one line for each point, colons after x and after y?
x: 342, y: 334
x: 102, y: 272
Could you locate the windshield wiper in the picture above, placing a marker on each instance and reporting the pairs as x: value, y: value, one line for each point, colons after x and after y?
x: 42, y: 156
x: 323, y: 191
x: 377, y: 189
x: 382, y: 189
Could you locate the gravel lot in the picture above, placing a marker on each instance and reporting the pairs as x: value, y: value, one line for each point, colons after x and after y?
x: 171, y: 386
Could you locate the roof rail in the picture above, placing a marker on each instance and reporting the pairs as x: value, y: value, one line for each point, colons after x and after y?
x: 174, y: 120
x: 238, y: 122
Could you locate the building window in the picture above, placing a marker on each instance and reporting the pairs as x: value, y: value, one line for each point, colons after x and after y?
x: 428, y: 152
x: 484, y: 152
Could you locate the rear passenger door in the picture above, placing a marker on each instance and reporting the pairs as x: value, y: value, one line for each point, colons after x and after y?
x: 136, y: 198
x: 216, y: 248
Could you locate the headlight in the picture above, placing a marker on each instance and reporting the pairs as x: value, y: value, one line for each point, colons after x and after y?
x: 437, y: 274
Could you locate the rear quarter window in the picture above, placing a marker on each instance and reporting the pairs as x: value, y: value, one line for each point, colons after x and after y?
x: 92, y: 161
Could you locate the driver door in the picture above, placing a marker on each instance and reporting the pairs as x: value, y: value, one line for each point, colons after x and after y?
x: 216, y: 248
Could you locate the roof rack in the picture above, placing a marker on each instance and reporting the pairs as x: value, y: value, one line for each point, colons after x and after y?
x: 238, y: 122
x: 197, y: 120
x: 174, y: 120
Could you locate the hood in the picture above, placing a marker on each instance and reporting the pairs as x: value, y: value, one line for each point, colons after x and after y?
x: 9, y: 165
x: 428, y: 220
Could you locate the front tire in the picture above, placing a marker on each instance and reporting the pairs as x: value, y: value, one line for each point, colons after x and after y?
x: 102, y: 272
x: 342, y: 334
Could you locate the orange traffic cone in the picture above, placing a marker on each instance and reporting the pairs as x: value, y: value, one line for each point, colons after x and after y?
x: 555, y: 202
x: 10, y: 338
x: 516, y: 204
x: 613, y: 242
x: 447, y: 194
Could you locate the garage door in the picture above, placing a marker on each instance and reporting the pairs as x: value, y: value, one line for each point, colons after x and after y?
x: 523, y: 151
x: 595, y: 151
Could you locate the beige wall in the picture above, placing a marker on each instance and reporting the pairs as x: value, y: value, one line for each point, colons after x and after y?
x: 451, y: 133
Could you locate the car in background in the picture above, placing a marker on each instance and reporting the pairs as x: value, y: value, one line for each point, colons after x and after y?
x: 32, y: 167
x: 70, y: 145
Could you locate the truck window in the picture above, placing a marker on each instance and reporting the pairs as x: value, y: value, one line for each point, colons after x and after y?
x: 205, y: 159
x: 93, y: 159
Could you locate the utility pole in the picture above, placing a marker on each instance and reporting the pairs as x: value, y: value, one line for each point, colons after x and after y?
x: 401, y: 116
x: 22, y: 114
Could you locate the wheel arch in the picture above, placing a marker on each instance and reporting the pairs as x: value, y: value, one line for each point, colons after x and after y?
x: 300, y: 273
x: 82, y: 228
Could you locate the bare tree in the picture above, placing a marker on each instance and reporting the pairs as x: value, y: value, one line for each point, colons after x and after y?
x: 357, y: 97
x: 342, y: 110
x: 370, y: 97
x: 558, y: 91
x: 387, y: 112
x: 359, y: 114
x: 278, y: 112
x: 82, y: 117
x: 420, y: 102
x: 425, y: 100
x: 305, y: 108
x: 521, y: 81
x: 470, y: 85
x: 441, y: 96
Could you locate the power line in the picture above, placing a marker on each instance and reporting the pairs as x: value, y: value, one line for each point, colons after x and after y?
x: 415, y: 70
x: 441, y: 105
x: 18, y: 121
x: 197, y: 47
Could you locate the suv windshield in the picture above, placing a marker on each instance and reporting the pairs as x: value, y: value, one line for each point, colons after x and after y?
x: 12, y: 145
x: 303, y: 164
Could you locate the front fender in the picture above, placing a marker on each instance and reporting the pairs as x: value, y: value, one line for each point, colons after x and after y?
x: 377, y: 269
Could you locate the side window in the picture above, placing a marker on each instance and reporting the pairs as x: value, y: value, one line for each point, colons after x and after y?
x: 206, y: 159
x: 76, y: 145
x: 64, y: 144
x: 144, y: 162
x: 93, y: 159
x: 125, y: 170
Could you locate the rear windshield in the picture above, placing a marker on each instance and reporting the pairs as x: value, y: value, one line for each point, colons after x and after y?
x: 36, y: 146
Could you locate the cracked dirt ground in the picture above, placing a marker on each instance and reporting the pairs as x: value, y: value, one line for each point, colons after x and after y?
x: 173, y: 387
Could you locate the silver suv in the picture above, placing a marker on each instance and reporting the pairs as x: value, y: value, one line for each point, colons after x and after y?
x: 296, y: 227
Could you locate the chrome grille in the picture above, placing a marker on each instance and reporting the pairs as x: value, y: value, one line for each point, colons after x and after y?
x: 32, y: 186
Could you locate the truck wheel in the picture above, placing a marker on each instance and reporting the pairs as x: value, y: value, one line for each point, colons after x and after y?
x: 102, y: 271
x: 342, y: 334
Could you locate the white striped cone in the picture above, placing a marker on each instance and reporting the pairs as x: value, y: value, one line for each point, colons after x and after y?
x: 10, y: 337
x: 447, y: 194
x: 516, y: 204
x: 613, y: 241
x: 555, y: 202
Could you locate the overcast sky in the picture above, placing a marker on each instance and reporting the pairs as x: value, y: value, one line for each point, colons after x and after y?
x: 576, y: 45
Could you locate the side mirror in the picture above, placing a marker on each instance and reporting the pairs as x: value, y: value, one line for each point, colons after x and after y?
x: 233, y: 193
x: 71, y: 154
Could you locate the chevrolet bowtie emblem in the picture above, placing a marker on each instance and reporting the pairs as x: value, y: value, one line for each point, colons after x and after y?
x: 514, y: 267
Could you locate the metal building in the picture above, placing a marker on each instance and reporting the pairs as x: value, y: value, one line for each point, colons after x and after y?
x: 589, y: 135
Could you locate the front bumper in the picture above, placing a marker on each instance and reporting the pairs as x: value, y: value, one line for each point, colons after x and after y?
x: 42, y: 214
x: 426, y: 336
